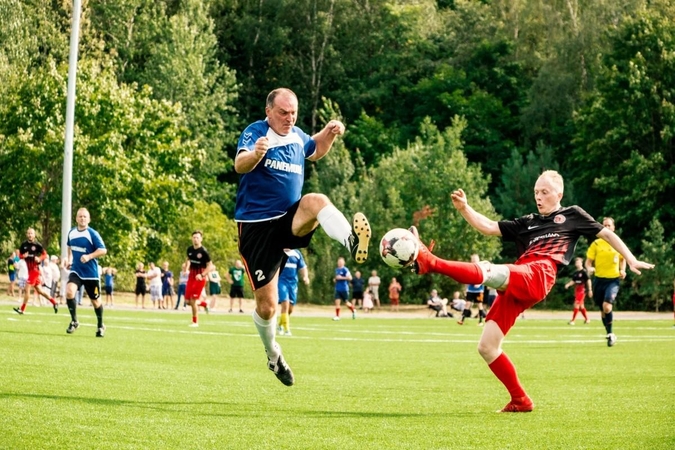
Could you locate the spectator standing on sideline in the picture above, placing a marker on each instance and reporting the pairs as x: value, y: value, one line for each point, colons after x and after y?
x: 273, y: 214
x: 155, y: 276
x: 235, y: 276
x: 84, y: 247
x: 32, y: 252
x: 374, y: 287
x: 288, y: 287
x: 109, y: 274
x: 474, y: 294
x: 214, y: 286
x: 581, y: 282
x: 200, y: 265
x: 394, y: 294
x: 182, y: 284
x: 544, y: 242
x: 167, y: 285
x: 11, y: 273
x: 140, y: 284
x: 357, y: 289
x: 341, y: 280
x: 609, y: 267
x: 56, y: 277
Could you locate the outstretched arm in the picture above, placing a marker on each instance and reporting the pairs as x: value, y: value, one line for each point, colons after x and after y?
x: 481, y: 223
x: 615, y: 241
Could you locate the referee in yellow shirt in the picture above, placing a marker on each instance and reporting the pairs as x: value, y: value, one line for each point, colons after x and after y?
x: 610, y: 268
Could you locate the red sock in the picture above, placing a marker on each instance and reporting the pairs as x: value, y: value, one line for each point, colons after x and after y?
x: 203, y: 304
x: 351, y: 308
x: 194, y: 319
x: 462, y: 272
x: 23, y: 307
x: 52, y: 301
x: 583, y: 313
x: 574, y: 314
x: 505, y: 372
x: 337, y: 312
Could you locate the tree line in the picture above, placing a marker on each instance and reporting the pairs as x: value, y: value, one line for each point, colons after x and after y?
x: 436, y: 95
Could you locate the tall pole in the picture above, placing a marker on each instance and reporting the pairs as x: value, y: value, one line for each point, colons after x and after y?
x: 66, y: 201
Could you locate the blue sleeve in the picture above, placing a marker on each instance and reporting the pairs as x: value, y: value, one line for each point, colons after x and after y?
x: 301, y: 261
x: 96, y: 239
x: 249, y: 137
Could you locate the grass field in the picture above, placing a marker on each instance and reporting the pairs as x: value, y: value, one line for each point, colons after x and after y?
x: 154, y: 383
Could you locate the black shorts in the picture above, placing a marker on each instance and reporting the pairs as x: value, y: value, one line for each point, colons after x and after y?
x: 474, y: 297
x: 262, y: 244
x: 236, y: 292
x: 93, y: 287
x: 605, y: 290
x: 140, y: 290
x: 109, y: 290
x: 357, y: 295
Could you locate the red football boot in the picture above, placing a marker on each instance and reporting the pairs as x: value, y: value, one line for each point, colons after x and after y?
x: 425, y: 259
x: 520, y: 404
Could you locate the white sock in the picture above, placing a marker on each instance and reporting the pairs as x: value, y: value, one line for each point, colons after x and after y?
x: 335, y: 224
x: 267, y: 332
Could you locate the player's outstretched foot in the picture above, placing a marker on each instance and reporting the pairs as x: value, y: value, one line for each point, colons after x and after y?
x: 422, y: 263
x: 101, y: 332
x: 18, y: 310
x: 360, y: 238
x: 72, y: 327
x: 281, y: 370
x: 611, y: 339
x: 56, y: 308
x: 520, y: 404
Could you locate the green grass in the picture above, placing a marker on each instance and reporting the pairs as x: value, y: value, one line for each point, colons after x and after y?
x: 366, y: 384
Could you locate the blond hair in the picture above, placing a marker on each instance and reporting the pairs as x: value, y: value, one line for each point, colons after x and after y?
x: 555, y: 178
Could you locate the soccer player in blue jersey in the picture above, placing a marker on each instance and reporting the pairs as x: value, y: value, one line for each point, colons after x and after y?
x: 272, y: 213
x: 84, y: 247
x: 288, y: 287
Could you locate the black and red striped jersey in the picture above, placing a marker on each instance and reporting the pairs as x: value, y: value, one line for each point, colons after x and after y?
x: 199, y: 259
x: 553, y: 237
x: 33, y: 253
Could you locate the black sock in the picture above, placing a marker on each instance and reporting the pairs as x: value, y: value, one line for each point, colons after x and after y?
x: 72, y: 308
x: 609, y: 317
x: 99, y: 315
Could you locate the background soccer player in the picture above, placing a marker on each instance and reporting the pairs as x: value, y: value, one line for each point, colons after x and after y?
x: 84, y: 247
x: 581, y: 283
x: 288, y: 287
x: 199, y: 263
x: 33, y: 253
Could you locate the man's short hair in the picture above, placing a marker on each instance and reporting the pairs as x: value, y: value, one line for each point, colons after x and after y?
x: 273, y: 95
x: 555, y: 178
x: 197, y: 232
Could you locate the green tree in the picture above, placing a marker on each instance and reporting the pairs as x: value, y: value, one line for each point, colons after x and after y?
x: 624, y: 154
x: 656, y: 285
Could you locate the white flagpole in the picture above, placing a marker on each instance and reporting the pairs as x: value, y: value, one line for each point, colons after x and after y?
x: 66, y: 202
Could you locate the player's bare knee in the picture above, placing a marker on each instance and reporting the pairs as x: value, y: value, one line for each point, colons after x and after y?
x: 495, y: 275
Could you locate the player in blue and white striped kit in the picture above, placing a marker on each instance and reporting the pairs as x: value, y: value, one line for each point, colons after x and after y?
x: 84, y: 247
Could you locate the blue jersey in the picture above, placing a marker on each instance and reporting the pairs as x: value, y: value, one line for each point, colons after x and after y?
x: 82, y: 243
x: 109, y: 280
x: 475, y: 288
x: 294, y: 263
x: 342, y: 285
x: 275, y: 184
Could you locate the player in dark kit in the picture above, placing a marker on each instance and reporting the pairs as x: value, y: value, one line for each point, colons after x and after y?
x: 582, y: 283
x: 33, y: 253
x: 84, y: 247
x: 544, y: 243
x: 199, y: 263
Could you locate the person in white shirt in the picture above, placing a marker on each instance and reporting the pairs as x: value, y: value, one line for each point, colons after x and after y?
x: 155, y: 277
x: 373, y: 287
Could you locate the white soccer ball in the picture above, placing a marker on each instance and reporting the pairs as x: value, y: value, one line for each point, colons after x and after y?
x: 399, y: 248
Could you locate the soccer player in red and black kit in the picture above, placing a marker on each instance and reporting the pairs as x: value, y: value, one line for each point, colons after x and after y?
x: 200, y: 265
x: 33, y: 253
x: 582, y: 284
x: 544, y: 243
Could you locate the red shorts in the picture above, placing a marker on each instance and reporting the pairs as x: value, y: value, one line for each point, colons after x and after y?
x: 579, y: 295
x: 194, y: 288
x: 393, y: 301
x: 529, y: 283
x: 34, y: 278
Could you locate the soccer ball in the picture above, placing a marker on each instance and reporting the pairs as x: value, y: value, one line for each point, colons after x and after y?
x: 398, y: 248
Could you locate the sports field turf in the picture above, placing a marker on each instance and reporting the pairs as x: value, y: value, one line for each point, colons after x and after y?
x: 154, y: 383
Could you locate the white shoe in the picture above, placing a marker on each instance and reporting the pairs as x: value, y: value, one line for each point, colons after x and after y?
x: 288, y: 333
x: 194, y: 325
x: 336, y: 318
x: 571, y: 322
x: 611, y: 339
